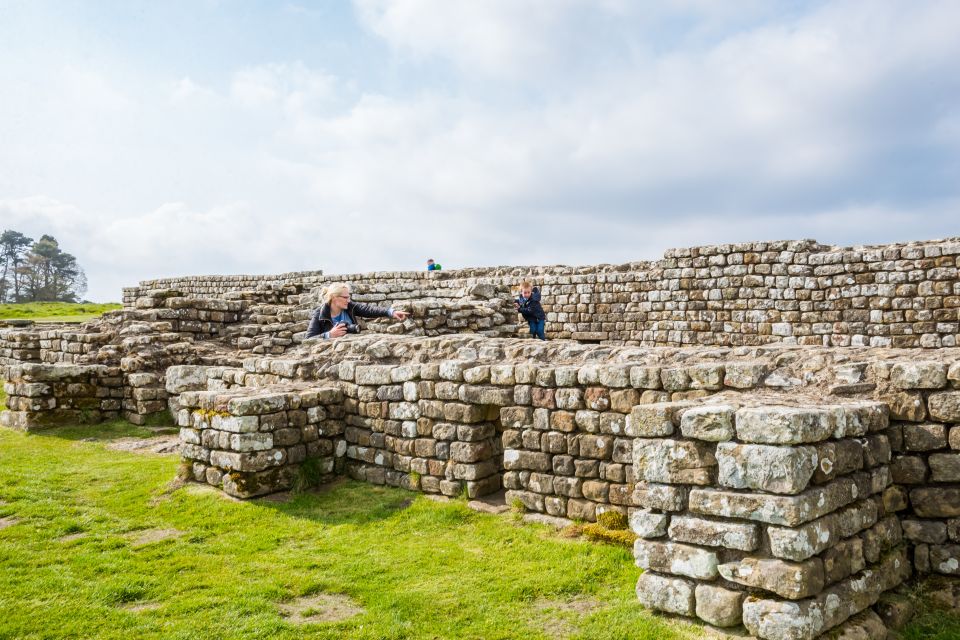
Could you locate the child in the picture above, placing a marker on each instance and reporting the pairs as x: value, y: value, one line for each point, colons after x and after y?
x: 528, y: 304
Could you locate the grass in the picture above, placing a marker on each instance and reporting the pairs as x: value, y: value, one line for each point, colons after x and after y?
x: 74, y: 563
x: 54, y: 311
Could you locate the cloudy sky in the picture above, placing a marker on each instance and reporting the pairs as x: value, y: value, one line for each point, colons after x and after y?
x: 167, y: 138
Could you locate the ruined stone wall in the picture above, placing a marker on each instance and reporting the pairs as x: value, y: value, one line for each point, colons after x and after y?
x: 900, y: 295
x: 216, y: 286
x: 41, y: 395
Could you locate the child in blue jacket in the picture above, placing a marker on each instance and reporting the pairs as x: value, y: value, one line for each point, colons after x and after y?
x: 528, y: 304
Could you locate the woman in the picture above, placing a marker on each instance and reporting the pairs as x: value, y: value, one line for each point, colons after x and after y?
x: 339, y: 313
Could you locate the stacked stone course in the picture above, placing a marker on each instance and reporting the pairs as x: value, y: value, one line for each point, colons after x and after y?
x: 42, y: 395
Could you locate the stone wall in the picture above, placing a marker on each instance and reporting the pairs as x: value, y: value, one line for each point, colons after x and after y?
x: 216, y: 286
x: 41, y: 395
x: 900, y: 295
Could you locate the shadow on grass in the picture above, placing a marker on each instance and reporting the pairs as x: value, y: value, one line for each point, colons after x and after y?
x: 104, y: 431
x: 346, y: 501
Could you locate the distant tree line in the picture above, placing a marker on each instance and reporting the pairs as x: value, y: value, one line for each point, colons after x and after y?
x: 38, y: 271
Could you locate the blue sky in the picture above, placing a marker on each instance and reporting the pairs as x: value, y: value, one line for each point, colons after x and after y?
x: 156, y: 139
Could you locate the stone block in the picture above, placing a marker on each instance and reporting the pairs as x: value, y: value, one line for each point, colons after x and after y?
x: 945, y: 559
x: 775, y: 509
x: 944, y: 467
x: 791, y: 580
x: 373, y: 374
x: 745, y: 375
x: 182, y: 378
x: 517, y: 460
x: 919, y: 375
x: 925, y: 531
x: 711, y: 423
x: 924, y: 437
x: 936, y: 502
x: 645, y: 377
x: 665, y: 593
x: 766, y: 468
x: 944, y: 406
x: 843, y: 559
x: 663, y: 497
x: 673, y: 461
x: 718, y: 605
x: 706, y: 376
x: 675, y: 558
x: 784, y: 425
x: 647, y: 524
x: 715, y: 533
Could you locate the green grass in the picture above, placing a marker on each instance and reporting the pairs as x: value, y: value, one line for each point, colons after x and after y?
x: 54, y: 311
x: 419, y: 569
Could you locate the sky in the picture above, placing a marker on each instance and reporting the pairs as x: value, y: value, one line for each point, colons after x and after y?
x: 156, y: 139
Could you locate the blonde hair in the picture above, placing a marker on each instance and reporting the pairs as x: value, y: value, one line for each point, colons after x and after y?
x: 526, y: 284
x: 334, y: 290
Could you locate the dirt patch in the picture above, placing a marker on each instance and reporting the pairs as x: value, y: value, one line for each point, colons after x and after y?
x: 161, y: 445
x: 560, y: 618
x: 9, y: 521
x: 320, y: 607
x: 149, y: 536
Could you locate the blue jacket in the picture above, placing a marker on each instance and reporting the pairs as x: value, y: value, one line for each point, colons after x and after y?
x: 530, y: 308
x: 322, y: 321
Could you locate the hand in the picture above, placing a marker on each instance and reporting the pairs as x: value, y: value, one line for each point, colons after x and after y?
x: 339, y: 330
x: 400, y: 315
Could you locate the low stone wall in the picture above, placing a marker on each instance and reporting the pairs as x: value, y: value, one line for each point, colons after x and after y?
x: 250, y: 444
x: 216, y: 286
x: 41, y: 396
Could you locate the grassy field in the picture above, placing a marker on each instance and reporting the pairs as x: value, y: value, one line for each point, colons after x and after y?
x: 97, y: 543
x: 54, y: 311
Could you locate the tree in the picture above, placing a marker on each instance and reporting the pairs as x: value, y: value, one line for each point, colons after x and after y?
x: 13, y: 251
x: 50, y: 274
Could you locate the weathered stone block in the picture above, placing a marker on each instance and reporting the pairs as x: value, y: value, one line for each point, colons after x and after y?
x: 675, y: 558
x: 924, y: 437
x: 919, y: 375
x: 647, y: 524
x: 783, y: 425
x: 926, y: 531
x: 673, y: 461
x: 664, y: 593
x: 945, y: 406
x: 792, y: 580
x: 936, y: 502
x: 718, y: 605
x: 710, y: 423
x: 767, y: 468
x: 745, y: 375
x: 715, y: 533
x: 373, y: 374
x: 775, y: 509
x: 944, y: 467
x: 945, y: 559
x: 664, y: 497
x: 182, y: 378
